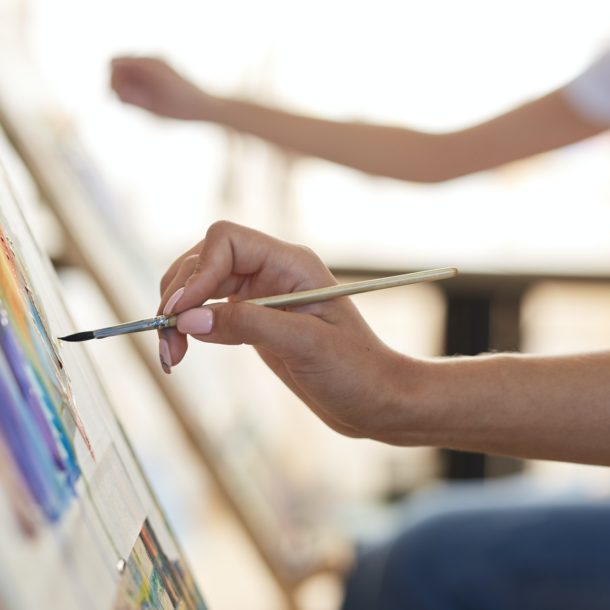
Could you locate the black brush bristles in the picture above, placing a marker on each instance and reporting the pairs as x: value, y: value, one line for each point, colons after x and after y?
x: 84, y: 336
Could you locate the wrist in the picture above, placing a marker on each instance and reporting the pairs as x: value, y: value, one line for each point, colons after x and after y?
x: 404, y: 397
x: 445, y: 402
x: 215, y: 109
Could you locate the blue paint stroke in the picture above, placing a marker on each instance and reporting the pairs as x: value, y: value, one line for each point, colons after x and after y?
x: 48, y: 484
x: 31, y: 424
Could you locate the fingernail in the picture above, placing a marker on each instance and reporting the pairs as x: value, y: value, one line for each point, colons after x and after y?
x: 196, y: 321
x: 171, y: 303
x: 165, y: 356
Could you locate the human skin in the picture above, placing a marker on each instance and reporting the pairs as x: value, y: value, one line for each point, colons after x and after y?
x: 546, y: 407
x: 527, y: 406
x: 540, y: 125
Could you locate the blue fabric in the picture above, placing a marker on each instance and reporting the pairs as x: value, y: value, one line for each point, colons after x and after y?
x: 528, y: 558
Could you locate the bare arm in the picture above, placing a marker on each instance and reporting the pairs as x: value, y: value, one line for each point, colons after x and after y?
x: 527, y: 406
x: 405, y: 154
x: 546, y: 407
x: 543, y: 124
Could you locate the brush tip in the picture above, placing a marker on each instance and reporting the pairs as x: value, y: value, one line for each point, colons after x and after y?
x: 84, y: 336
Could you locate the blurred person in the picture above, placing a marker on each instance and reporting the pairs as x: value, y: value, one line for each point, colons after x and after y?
x: 538, y: 407
x: 574, y: 112
x: 543, y: 557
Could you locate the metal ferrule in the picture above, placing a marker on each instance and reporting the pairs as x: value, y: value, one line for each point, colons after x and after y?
x: 155, y: 323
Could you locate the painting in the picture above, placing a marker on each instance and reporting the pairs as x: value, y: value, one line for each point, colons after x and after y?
x: 79, y: 525
x: 151, y: 580
x: 37, y: 413
x: 285, y: 515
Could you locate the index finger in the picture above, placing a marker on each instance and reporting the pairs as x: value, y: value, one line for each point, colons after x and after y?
x: 230, y: 250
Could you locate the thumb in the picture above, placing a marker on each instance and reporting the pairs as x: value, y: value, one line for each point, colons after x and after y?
x: 284, y: 333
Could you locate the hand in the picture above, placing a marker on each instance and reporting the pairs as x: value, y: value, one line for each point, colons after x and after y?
x: 152, y: 84
x: 325, y: 352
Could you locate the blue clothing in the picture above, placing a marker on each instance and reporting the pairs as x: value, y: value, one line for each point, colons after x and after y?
x: 518, y: 558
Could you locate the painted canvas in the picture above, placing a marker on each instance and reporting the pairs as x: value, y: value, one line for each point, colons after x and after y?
x: 287, y: 518
x: 79, y: 526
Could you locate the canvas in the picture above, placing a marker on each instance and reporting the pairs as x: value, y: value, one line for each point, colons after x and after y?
x: 79, y: 525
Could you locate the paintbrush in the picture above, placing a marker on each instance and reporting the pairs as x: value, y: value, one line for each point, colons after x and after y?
x: 291, y: 299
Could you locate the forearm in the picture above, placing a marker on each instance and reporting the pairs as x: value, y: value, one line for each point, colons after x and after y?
x: 375, y: 149
x: 543, y: 124
x: 407, y: 154
x: 526, y: 406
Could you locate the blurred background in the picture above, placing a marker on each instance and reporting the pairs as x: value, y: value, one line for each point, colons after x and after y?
x: 531, y: 240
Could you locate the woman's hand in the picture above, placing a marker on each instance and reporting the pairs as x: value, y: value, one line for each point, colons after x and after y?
x: 325, y: 352
x: 545, y: 407
x: 152, y: 84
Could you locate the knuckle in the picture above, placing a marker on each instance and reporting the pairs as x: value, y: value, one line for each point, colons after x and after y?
x: 180, y: 270
x: 188, y: 267
x: 219, y: 228
x: 307, y: 251
x: 313, y: 262
x: 189, y: 261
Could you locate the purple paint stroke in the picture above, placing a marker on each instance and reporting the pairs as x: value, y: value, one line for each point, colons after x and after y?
x: 47, y: 484
x: 20, y: 369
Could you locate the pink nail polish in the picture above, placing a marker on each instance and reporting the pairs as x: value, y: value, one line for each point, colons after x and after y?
x: 165, y: 356
x: 171, y: 302
x: 198, y: 321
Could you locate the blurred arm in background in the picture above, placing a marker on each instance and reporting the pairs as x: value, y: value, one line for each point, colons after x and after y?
x: 564, y: 116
